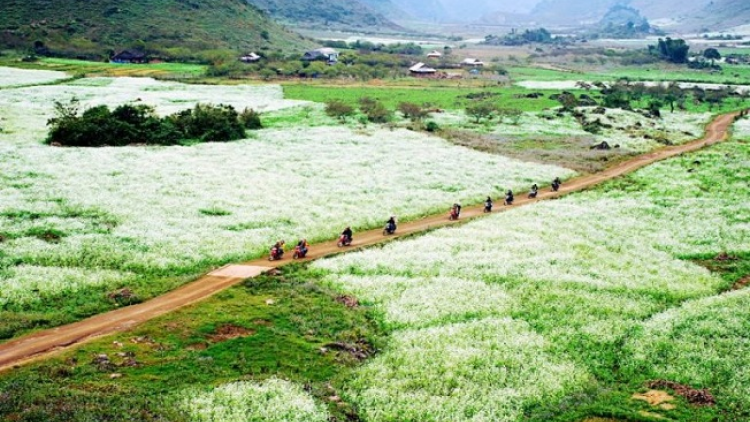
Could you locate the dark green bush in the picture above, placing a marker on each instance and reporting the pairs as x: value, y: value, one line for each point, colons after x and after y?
x: 138, y: 124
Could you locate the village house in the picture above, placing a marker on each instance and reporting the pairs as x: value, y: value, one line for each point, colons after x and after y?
x: 434, y: 54
x: 421, y: 70
x: 472, y: 63
x: 130, y: 56
x: 328, y: 54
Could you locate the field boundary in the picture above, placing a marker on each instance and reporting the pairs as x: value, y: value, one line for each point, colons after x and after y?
x: 42, y: 344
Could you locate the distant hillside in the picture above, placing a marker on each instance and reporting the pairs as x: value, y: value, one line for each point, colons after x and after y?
x: 710, y: 15
x: 336, y: 14
x: 461, y: 10
x: 171, y: 28
x: 719, y: 15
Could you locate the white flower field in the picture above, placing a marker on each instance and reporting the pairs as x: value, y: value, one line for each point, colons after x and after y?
x: 273, y: 400
x: 10, y: 77
x: 524, y: 315
x: 172, y: 210
x: 530, y: 305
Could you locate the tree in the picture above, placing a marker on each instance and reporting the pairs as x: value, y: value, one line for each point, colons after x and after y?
x: 374, y: 110
x: 568, y: 101
x: 675, y: 51
x: 712, y: 54
x: 339, y: 109
x: 481, y: 110
x: 412, y: 111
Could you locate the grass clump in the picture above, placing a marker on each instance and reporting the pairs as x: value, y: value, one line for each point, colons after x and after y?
x: 131, y: 124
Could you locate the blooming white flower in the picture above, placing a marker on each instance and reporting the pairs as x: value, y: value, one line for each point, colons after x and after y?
x: 272, y: 400
x: 22, y: 77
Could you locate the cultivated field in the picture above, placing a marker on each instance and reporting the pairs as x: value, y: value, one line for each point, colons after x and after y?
x: 557, y: 311
x: 78, y: 222
x: 502, y: 317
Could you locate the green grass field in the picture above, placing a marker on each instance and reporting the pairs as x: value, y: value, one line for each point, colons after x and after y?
x: 89, y: 68
x: 730, y: 74
x: 450, y: 98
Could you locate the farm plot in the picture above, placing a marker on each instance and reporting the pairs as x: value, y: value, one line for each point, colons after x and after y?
x: 630, y: 131
x: 507, y: 315
x: 129, y: 217
x: 10, y: 77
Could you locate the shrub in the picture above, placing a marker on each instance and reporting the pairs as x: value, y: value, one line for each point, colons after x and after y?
x: 432, y: 127
x: 339, y: 109
x: 130, y: 124
x: 250, y: 119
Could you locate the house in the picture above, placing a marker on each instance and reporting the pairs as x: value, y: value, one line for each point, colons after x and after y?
x: 420, y: 69
x: 472, y: 63
x: 328, y: 54
x: 434, y: 54
x: 250, y: 58
x: 130, y: 56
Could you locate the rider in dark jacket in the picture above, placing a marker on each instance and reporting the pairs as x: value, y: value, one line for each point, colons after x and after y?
x: 391, y: 224
x: 347, y: 233
x: 509, y: 197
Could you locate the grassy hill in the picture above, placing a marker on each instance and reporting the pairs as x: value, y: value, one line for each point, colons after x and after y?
x: 336, y: 14
x: 170, y: 28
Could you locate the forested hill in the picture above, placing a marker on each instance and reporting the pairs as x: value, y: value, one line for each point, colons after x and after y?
x: 170, y: 28
x: 334, y: 14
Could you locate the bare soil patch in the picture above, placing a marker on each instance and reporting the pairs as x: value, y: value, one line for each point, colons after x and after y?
x: 348, y: 301
x: 656, y: 398
x: 742, y: 283
x: 228, y: 332
x: 697, y: 397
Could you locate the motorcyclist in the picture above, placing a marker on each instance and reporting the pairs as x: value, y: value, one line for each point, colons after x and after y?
x: 509, y: 197
x: 347, y: 233
x: 488, y: 204
x: 456, y: 210
x: 278, y: 249
x: 303, y: 246
x: 390, y: 225
x: 534, y: 191
x: 556, y: 184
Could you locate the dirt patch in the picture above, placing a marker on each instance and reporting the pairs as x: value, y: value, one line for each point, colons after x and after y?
x: 656, y: 398
x: 228, y: 332
x: 348, y: 301
x: 702, y: 397
x: 742, y: 283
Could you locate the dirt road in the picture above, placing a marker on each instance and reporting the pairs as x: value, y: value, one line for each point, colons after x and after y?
x: 44, y: 343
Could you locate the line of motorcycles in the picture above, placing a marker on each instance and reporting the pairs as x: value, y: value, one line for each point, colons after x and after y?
x: 300, y: 252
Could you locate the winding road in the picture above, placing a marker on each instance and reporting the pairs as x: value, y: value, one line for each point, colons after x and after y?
x: 44, y: 343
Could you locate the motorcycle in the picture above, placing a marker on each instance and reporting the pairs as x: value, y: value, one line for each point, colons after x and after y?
x: 276, y: 254
x: 299, y: 253
x: 453, y: 215
x: 533, y: 194
x: 555, y: 187
x: 389, y: 229
x: 487, y: 208
x: 343, y: 241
